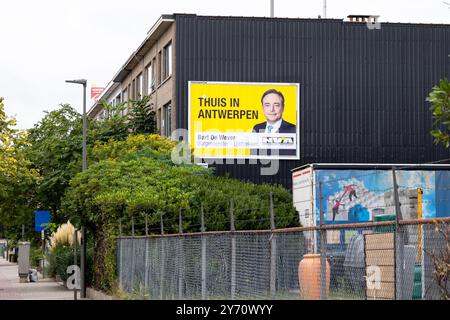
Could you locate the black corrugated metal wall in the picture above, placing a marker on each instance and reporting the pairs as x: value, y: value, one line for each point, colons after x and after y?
x: 362, y: 92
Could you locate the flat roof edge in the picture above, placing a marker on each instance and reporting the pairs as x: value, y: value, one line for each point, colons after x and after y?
x: 398, y: 166
x: 340, y: 20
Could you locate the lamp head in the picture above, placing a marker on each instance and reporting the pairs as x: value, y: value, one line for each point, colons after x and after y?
x: 79, y: 81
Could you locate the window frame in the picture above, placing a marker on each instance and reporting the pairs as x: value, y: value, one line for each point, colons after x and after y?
x: 166, y: 61
x: 139, y: 86
x: 167, y: 118
x: 150, y: 77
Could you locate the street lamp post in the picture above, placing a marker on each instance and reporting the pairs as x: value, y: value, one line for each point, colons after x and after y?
x: 84, y: 83
x: 84, y: 165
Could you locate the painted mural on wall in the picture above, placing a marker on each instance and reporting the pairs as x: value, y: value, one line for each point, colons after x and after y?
x: 352, y: 196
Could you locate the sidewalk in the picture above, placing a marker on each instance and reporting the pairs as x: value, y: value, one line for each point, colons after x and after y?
x: 44, y: 289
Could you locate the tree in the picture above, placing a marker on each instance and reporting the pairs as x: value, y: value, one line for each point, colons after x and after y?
x: 55, y: 151
x: 141, y: 117
x: 17, y: 177
x: 118, y: 124
x: 113, y: 125
x: 440, y: 107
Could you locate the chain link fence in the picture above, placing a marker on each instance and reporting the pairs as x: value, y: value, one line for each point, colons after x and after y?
x: 363, y: 240
x: 376, y: 260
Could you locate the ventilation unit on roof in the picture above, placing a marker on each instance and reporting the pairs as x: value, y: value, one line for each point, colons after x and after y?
x: 363, y: 18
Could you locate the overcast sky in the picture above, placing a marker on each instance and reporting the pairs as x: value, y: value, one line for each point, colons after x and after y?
x: 45, y: 42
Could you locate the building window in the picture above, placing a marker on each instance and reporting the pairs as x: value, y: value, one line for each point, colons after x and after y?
x: 125, y: 99
x: 116, y: 100
x: 125, y: 95
x: 167, y: 62
x: 167, y: 120
x: 159, y: 121
x: 133, y: 89
x: 150, y: 78
x: 160, y: 68
x: 154, y: 75
x: 139, y: 87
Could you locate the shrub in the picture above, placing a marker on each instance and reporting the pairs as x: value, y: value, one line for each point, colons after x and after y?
x: 62, y: 256
x: 36, y: 257
x: 61, y: 253
x: 136, y: 176
x: 59, y: 259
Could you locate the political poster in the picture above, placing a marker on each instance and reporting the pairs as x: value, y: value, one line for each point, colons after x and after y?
x: 243, y: 120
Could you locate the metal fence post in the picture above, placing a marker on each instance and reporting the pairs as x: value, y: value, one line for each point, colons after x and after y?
x: 133, y: 254
x: 146, y: 272
x: 180, y: 255
x: 273, y: 249
x: 399, y: 242
x: 163, y: 258
x: 233, y: 251
x: 323, y: 254
x: 83, y: 263
x: 120, y: 254
x: 202, y: 217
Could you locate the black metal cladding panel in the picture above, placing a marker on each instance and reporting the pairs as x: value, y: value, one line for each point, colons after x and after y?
x: 362, y: 92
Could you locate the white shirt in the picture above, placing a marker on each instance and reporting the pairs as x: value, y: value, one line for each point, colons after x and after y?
x: 275, y: 127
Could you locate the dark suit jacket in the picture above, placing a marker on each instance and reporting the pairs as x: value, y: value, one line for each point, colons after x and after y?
x: 285, y: 127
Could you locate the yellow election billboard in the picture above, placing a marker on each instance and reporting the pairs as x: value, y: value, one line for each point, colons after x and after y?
x: 244, y: 120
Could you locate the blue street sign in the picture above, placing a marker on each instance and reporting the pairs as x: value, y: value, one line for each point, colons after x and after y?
x: 40, y: 218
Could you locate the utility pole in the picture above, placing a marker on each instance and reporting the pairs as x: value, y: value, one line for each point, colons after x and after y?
x: 272, y: 8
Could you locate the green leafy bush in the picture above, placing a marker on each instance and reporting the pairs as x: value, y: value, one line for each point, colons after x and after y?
x: 36, y: 257
x: 134, y: 177
x: 59, y: 259
x: 440, y: 108
x: 62, y: 256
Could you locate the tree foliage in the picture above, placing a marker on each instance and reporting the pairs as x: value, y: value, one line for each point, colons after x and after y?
x: 55, y: 151
x: 440, y: 108
x: 17, y: 177
x: 113, y: 125
x: 136, y: 177
x: 141, y: 117
x: 55, y: 148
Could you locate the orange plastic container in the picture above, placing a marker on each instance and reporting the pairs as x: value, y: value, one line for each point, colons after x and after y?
x: 309, y: 277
